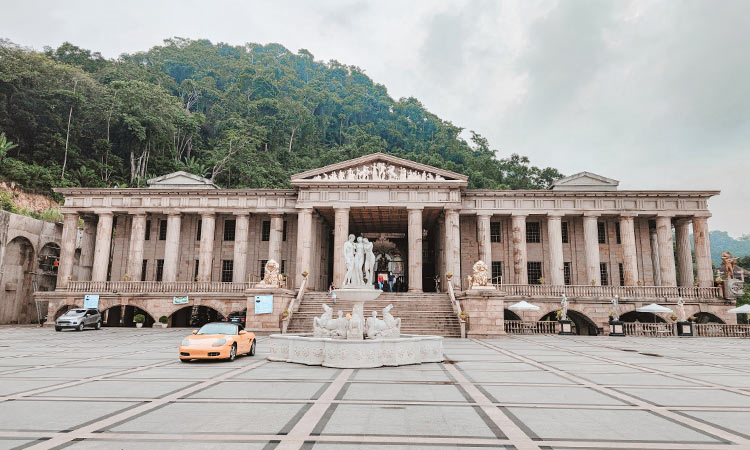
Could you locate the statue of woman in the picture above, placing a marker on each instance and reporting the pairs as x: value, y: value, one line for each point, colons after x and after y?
x: 369, y: 262
x: 349, y: 251
x: 359, y: 261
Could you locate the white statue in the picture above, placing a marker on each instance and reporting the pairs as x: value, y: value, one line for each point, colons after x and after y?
x: 359, y: 262
x: 271, y: 276
x: 616, y: 306
x: 389, y: 327
x: 564, y: 303
x: 349, y: 251
x: 355, y: 328
x: 374, y: 325
x: 369, y: 262
x: 681, y: 308
x: 327, y: 326
x: 481, y: 277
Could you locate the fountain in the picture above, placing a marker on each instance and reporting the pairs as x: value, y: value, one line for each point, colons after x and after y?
x: 350, y: 341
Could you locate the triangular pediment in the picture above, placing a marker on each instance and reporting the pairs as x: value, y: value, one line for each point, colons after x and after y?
x: 181, y: 180
x: 379, y: 167
x: 585, y: 181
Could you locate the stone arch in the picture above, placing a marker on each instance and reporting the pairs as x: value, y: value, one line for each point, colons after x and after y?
x: 19, y: 264
x: 582, y: 324
x: 510, y: 315
x: 16, y: 234
x: 64, y: 308
x: 194, y: 316
x: 632, y: 316
x: 707, y: 317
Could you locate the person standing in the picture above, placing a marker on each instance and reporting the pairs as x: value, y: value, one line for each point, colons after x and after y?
x: 391, y: 280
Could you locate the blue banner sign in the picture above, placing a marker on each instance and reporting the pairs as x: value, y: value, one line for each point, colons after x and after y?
x: 180, y: 300
x: 91, y: 301
x: 263, y: 304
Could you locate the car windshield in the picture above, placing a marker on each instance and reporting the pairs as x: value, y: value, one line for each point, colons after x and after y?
x: 218, y: 328
x: 74, y: 312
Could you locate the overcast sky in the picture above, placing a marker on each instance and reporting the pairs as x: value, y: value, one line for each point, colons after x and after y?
x: 654, y: 94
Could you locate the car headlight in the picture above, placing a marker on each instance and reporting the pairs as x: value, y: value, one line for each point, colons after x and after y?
x: 220, y: 342
x: 185, y: 341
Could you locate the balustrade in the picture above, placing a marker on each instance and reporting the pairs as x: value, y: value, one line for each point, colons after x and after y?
x: 544, y: 290
x: 155, y: 286
x: 722, y: 330
x: 530, y: 327
x: 649, y: 329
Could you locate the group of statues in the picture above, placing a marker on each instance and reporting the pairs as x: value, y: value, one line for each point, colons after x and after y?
x: 351, y: 326
x: 379, y: 172
x: 360, y: 262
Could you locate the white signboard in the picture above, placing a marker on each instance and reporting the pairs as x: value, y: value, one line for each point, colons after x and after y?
x: 91, y: 301
x: 263, y: 304
x: 180, y: 300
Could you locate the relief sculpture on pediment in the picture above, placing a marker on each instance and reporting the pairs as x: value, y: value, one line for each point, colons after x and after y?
x: 378, y: 171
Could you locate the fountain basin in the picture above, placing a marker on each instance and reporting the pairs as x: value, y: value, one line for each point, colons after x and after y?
x: 356, y: 354
x: 357, y: 294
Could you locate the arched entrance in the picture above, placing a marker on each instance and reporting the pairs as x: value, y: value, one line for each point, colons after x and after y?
x: 643, y: 317
x: 17, y: 305
x: 581, y: 324
x: 122, y: 316
x: 705, y: 317
x: 63, y: 309
x: 194, y: 316
x: 510, y: 315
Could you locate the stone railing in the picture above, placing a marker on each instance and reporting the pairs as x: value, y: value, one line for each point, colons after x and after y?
x: 530, y: 327
x: 298, y: 300
x: 545, y: 290
x: 148, y: 287
x: 456, y: 307
x: 649, y: 329
x: 722, y: 330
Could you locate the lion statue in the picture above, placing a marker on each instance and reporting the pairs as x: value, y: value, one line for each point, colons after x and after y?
x: 272, y: 277
x: 480, y: 279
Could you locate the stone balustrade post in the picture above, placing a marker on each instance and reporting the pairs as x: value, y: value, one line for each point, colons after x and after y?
x: 304, y: 243
x: 591, y: 249
x: 340, y: 235
x: 415, y: 249
x: 520, y: 268
x: 484, y: 238
x: 629, y: 256
x: 666, y: 251
x: 702, y: 252
x: 103, y: 243
x: 684, y: 252
x: 206, y: 253
x: 135, y: 250
x: 452, y: 246
x: 67, y: 249
x: 554, y: 234
x: 241, y: 231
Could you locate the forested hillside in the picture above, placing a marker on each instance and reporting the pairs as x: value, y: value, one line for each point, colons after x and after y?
x: 244, y: 116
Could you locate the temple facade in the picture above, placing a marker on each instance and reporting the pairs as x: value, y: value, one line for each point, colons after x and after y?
x: 184, y: 236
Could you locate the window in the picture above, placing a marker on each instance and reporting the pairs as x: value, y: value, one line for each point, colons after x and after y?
x: 159, y: 269
x: 566, y: 273
x: 533, y: 233
x: 195, y: 272
x: 622, y: 275
x: 497, y: 272
x: 604, y: 274
x: 495, y: 235
x: 265, y: 232
x: 162, y: 230
x: 229, y: 226
x: 617, y: 232
x: 602, y: 229
x: 144, y: 266
x: 148, y: 230
x: 227, y: 270
x: 534, y: 270
x: 564, y: 232
x: 200, y: 225
x: 283, y: 267
x: 283, y: 234
x: 263, y: 268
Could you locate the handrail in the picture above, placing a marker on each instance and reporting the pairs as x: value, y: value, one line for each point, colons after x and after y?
x: 456, y: 307
x: 687, y: 292
x: 290, y: 308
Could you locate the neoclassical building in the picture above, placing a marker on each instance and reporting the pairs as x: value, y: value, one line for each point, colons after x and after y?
x: 182, y: 235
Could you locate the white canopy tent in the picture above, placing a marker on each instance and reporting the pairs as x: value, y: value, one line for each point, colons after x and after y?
x: 744, y: 309
x: 654, y: 308
x: 523, y: 305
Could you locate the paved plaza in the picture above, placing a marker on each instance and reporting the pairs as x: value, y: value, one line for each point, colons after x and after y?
x: 125, y: 388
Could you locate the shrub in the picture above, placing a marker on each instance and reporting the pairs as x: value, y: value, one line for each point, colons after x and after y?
x: 163, y: 319
x: 139, y: 318
x: 6, y: 202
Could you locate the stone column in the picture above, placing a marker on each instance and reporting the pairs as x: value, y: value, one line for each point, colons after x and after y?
x: 67, y: 249
x: 415, y: 249
x: 275, y: 237
x: 304, y: 244
x: 703, y: 252
x: 135, y: 251
x: 666, y: 251
x: 684, y: 252
x: 554, y: 234
x: 206, y: 253
x: 101, y: 252
x: 88, y: 242
x: 520, y: 269
x: 172, y: 248
x: 452, y: 247
x: 629, y: 256
x: 591, y: 249
x: 484, y: 239
x: 241, y: 231
x: 340, y: 235
x: 655, y: 256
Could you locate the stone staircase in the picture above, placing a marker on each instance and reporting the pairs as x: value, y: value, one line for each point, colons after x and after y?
x: 420, y: 313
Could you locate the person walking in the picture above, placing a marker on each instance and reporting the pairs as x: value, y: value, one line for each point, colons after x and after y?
x: 391, y: 280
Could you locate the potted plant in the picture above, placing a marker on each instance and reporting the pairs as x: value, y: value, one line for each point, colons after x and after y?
x: 448, y: 275
x: 593, y: 282
x: 163, y: 321
x: 284, y: 314
x: 673, y: 317
x: 304, y: 274
x: 139, y: 319
x: 541, y: 280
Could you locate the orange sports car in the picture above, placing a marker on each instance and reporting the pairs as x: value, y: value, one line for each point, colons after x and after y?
x: 218, y: 340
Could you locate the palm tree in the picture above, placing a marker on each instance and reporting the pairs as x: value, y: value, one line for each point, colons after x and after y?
x: 5, y: 145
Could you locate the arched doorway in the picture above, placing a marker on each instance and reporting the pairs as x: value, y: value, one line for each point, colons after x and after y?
x: 581, y: 324
x: 63, y: 309
x: 49, y: 258
x: 510, y: 315
x: 122, y: 316
x: 705, y: 317
x: 643, y: 317
x: 194, y: 316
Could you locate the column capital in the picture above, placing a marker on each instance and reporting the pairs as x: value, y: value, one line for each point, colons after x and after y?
x: 628, y: 215
x: 554, y: 216
x: 415, y: 208
x: 173, y: 214
x: 485, y: 213
x: 341, y: 208
x: 276, y: 215
x: 664, y: 216
x: 105, y: 214
x: 305, y: 209
x: 683, y: 221
x: 241, y: 213
x: 211, y: 215
x: 518, y: 215
x: 701, y: 219
x: 592, y: 214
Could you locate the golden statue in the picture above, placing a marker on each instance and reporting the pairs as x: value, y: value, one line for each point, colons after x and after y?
x: 728, y: 262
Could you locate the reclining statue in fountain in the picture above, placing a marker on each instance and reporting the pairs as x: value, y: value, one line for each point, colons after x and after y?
x: 327, y: 326
x: 389, y: 327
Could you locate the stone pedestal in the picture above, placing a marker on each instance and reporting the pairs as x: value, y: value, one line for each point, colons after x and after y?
x: 486, y: 312
x: 616, y: 328
x: 566, y: 327
x: 685, y: 329
x: 733, y: 289
x: 267, y: 323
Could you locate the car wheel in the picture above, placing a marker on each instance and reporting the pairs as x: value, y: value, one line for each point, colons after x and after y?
x: 233, y: 352
x: 98, y: 325
x: 58, y: 328
x: 252, y: 349
x: 80, y: 327
x: 184, y: 360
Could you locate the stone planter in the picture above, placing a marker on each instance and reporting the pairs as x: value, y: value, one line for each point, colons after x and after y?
x: 566, y: 327
x: 685, y: 329
x: 139, y: 325
x: 163, y: 325
x: 616, y: 328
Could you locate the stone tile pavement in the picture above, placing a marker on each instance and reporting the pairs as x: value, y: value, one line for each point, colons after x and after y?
x: 125, y: 389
